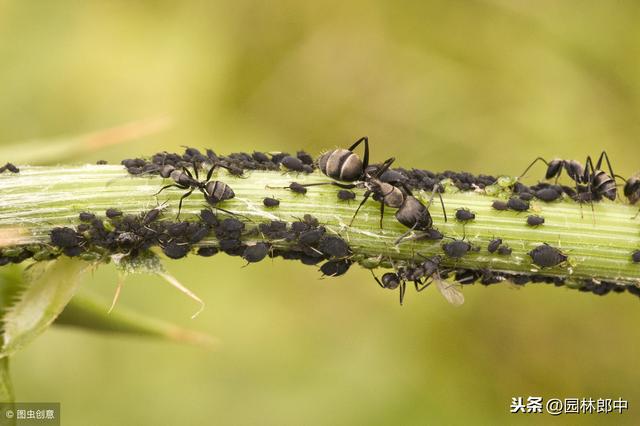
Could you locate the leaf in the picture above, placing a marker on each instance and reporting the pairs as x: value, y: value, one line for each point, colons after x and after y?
x: 90, y: 312
x: 48, y: 288
x: 6, y: 388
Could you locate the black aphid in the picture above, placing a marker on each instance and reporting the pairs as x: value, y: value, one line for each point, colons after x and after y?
x: 292, y: 163
x: 533, y: 220
x: 333, y: 246
x: 208, y: 217
x: 111, y: 213
x: 548, y: 194
x: 464, y: 215
x: 298, y: 188
x: 311, y: 236
x: 494, y: 244
x: 334, y: 268
x: 151, y: 215
x: 500, y: 205
x: 101, y: 162
x: 504, y: 250
x: 306, y: 158
x: 546, y: 256
x: 518, y: 204
x: 176, y: 250
x: 231, y: 246
x: 635, y: 256
x: 456, y: 248
x: 346, y: 195
x: 86, y: 216
x: 526, y: 196
x: 207, y: 251
x: 270, y: 202
x: 256, y: 252
x: 64, y: 237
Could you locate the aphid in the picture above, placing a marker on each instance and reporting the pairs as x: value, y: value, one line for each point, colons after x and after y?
x: 292, y: 163
x: 101, y: 162
x: 456, y: 248
x: 176, y: 250
x: 345, y: 165
x: 464, y: 215
x: 208, y: 217
x: 112, y: 213
x: 518, y: 204
x: 86, y: 216
x: 214, y: 191
x: 504, y: 251
x: 546, y: 256
x: 526, y: 196
x: 297, y: 188
x: 255, y: 253
x: 500, y: 205
x: 64, y: 237
x: 334, y: 268
x: 334, y: 247
x: 207, y: 251
x: 304, y: 157
x: 346, y: 195
x: 548, y: 194
x: 311, y: 236
x: 494, y: 245
x: 391, y: 281
x: 533, y: 220
x: 270, y: 202
x: 260, y: 157
x: 635, y: 256
x: 10, y: 167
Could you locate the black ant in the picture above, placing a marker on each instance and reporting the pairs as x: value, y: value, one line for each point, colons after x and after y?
x: 592, y: 183
x: 632, y: 190
x: 214, y: 191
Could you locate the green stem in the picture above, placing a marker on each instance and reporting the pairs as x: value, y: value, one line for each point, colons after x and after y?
x: 599, y: 245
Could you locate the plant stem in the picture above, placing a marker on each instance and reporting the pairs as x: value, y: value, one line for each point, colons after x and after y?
x: 598, y: 245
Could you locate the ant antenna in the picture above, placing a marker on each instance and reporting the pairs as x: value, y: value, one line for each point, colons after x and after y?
x: 531, y: 165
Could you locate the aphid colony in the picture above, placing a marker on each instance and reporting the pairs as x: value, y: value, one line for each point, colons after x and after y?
x: 310, y: 242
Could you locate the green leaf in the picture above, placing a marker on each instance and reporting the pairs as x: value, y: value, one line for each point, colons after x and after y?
x: 48, y: 288
x: 90, y: 312
x: 6, y: 388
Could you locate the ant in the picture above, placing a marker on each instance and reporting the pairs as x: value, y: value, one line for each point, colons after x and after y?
x: 592, y: 183
x: 214, y: 191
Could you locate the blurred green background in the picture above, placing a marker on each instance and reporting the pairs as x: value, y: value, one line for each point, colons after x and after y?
x: 484, y: 86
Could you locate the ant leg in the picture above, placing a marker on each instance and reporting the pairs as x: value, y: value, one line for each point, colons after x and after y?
x: 381, y: 213
x: 606, y: 158
x: 231, y: 213
x: 403, y: 236
x: 364, y: 199
x: 531, y: 165
x: 376, y: 278
x: 210, y: 173
x: 435, y: 189
x: 424, y: 285
x: 168, y: 186
x: 182, y: 198
x: 184, y: 169
x: 365, y: 159
x: 403, y: 288
x: 385, y: 167
x: 636, y: 214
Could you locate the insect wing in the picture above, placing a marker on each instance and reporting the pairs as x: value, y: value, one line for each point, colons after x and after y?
x: 450, y: 291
